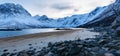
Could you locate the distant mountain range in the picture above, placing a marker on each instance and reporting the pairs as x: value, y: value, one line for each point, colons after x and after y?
x: 15, y: 16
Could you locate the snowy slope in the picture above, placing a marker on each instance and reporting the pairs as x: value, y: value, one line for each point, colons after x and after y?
x: 70, y: 22
x: 15, y: 16
x: 81, y: 19
x: 106, y: 17
x: 10, y: 9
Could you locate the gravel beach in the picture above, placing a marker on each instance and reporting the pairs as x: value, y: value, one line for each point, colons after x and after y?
x: 40, y: 40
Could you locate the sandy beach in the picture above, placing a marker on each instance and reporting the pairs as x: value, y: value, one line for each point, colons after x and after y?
x: 39, y: 40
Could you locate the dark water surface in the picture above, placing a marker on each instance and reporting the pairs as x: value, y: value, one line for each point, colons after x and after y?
x: 4, y: 34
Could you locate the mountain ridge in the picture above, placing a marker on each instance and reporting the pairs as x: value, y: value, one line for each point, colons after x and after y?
x: 21, y: 18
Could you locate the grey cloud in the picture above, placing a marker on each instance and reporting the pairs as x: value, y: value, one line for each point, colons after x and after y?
x: 61, y: 6
x: 76, y: 10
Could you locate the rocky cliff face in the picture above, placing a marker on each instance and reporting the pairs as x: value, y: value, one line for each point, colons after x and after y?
x: 106, y: 18
x: 15, y: 16
x: 11, y: 9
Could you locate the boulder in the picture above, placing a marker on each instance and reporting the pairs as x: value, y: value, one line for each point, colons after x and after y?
x: 116, y: 23
x: 117, y: 31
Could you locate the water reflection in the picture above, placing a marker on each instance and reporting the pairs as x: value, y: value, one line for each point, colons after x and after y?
x: 4, y: 34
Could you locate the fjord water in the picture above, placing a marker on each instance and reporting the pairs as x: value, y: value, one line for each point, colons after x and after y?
x: 5, y: 34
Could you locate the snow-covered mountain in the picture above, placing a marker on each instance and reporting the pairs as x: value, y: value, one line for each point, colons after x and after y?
x: 81, y: 19
x: 15, y: 16
x: 101, y: 16
x: 70, y: 22
x: 106, y: 17
x: 10, y: 9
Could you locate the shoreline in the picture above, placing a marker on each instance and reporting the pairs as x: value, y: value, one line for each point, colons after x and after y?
x: 40, y: 40
x: 43, y: 34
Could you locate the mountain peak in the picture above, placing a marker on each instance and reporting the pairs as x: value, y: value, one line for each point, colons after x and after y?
x: 13, y: 9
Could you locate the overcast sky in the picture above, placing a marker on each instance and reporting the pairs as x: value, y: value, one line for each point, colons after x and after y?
x: 59, y: 8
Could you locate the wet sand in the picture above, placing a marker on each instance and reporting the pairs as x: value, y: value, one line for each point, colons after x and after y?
x: 39, y: 40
